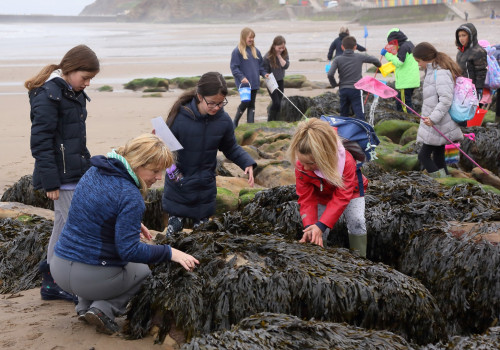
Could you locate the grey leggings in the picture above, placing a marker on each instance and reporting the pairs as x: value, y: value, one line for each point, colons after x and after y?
x: 354, y: 215
x: 61, y: 209
x: 108, y: 288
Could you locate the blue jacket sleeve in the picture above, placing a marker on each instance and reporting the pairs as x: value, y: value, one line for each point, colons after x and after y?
x: 235, y: 66
x: 232, y: 150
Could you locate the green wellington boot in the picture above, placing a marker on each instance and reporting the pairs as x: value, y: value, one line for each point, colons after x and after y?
x: 358, y: 242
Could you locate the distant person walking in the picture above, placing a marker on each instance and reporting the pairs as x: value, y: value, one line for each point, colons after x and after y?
x: 246, y: 66
x: 350, y: 66
x: 276, y: 61
x: 407, y: 73
x: 336, y: 45
x: 466, y: 16
x: 58, y: 140
x: 437, y: 92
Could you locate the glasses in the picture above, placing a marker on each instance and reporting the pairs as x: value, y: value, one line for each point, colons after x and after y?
x: 213, y: 104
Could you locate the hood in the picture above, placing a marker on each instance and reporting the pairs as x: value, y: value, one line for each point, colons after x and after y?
x: 343, y: 35
x: 396, y: 34
x: 110, y: 167
x: 472, y: 31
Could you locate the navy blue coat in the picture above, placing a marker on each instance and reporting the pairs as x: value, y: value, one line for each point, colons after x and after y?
x: 250, y: 68
x: 58, y: 135
x: 201, y: 137
x: 336, y: 46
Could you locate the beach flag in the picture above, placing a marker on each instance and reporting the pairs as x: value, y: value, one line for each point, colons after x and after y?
x: 366, y: 32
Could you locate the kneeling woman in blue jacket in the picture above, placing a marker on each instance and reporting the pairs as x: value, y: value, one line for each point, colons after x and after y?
x: 99, y: 255
x: 198, y: 121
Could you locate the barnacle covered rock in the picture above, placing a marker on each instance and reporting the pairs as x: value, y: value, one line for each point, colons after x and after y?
x: 240, y: 275
x: 269, y: 331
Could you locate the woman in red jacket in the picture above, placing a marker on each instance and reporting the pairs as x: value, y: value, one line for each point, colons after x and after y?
x: 327, y: 184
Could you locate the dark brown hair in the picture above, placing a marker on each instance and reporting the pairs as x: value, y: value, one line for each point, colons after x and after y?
x: 349, y: 42
x: 273, y: 61
x: 79, y: 58
x: 428, y: 53
x: 210, y: 84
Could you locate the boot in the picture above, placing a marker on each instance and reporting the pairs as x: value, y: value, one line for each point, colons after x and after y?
x: 50, y: 290
x: 237, y: 118
x: 250, y: 115
x: 438, y: 174
x: 272, y: 115
x: 358, y: 242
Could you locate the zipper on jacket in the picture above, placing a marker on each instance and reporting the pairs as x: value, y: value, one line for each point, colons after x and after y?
x: 63, y: 158
x: 321, y: 185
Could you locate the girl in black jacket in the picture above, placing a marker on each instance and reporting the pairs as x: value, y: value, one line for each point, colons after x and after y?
x: 58, y: 140
x: 198, y: 121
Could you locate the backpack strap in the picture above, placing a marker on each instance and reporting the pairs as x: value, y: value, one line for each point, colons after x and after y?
x: 360, y: 180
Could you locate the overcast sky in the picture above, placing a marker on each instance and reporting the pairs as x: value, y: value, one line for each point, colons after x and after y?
x: 43, y: 7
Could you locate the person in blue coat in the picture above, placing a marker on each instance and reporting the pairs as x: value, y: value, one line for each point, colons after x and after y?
x: 336, y: 45
x: 198, y: 121
x: 99, y: 255
x: 246, y: 66
x: 59, y: 140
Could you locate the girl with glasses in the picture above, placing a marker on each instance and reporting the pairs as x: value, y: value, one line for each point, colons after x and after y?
x: 198, y: 121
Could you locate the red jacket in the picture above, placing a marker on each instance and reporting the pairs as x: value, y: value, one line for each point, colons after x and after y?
x: 313, y: 190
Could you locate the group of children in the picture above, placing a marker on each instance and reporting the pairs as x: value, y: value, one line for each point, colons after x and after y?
x: 95, y: 252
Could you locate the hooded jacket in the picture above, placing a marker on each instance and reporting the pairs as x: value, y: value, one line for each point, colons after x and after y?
x: 471, y: 58
x: 407, y: 72
x: 104, y: 220
x: 313, y: 190
x: 249, y: 68
x: 336, y: 46
x: 437, y: 96
x: 58, y: 134
x: 201, y: 136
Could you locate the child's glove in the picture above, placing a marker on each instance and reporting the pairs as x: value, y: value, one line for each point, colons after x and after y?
x: 383, y: 52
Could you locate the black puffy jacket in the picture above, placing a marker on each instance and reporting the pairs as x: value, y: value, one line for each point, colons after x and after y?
x: 58, y: 134
x: 201, y: 136
x: 472, y: 58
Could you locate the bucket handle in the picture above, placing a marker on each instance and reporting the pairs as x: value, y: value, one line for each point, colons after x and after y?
x: 250, y: 86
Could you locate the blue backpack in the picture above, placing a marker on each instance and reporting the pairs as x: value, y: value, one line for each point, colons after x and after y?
x: 359, y: 138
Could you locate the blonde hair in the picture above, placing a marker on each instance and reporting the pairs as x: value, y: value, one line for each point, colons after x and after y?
x: 318, y: 139
x: 242, y: 46
x: 79, y: 58
x: 149, y: 151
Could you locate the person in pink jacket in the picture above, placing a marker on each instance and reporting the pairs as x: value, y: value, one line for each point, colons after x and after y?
x: 327, y: 184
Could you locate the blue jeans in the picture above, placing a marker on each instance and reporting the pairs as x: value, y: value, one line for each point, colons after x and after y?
x: 352, y: 98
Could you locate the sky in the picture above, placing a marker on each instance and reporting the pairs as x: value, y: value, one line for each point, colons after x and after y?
x: 43, y: 7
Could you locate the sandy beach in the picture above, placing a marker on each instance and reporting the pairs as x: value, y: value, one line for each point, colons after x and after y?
x: 134, y: 50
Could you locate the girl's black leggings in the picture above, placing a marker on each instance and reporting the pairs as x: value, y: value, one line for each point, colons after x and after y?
x: 432, y: 158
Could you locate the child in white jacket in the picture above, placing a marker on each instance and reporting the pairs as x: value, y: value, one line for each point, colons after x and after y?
x: 438, y: 87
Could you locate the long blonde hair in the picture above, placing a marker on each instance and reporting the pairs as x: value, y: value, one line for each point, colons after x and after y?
x: 146, y: 150
x: 79, y: 58
x: 242, y: 46
x: 318, y: 139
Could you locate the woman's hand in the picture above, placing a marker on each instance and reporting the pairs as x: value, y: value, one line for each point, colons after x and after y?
x: 249, y: 171
x: 244, y: 81
x: 145, y: 234
x: 312, y: 234
x: 53, y: 195
x: 428, y: 121
x: 187, y: 261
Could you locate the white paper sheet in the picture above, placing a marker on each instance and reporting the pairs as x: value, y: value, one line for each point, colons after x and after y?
x: 163, y: 132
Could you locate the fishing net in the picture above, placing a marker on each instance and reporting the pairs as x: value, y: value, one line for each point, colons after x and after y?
x: 375, y: 87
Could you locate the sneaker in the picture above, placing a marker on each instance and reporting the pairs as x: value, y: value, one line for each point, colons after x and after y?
x: 200, y: 222
x: 52, y: 291
x: 102, y: 322
x: 174, y: 225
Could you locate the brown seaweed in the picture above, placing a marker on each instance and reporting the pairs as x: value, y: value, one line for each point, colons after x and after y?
x: 490, y: 340
x: 270, y: 331
x: 243, y: 275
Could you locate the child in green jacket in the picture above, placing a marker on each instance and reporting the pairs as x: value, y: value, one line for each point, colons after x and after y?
x: 407, y: 73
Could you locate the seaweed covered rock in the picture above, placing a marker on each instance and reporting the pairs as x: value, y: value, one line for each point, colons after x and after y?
x: 269, y: 331
x: 490, y: 340
x: 485, y: 149
x: 462, y: 273
x: 23, y: 192
x: 239, y: 276
x: 22, y: 247
x: 398, y: 204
